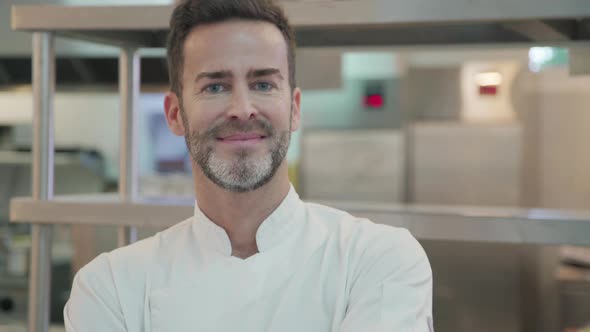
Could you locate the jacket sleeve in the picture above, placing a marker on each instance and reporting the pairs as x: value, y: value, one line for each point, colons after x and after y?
x: 93, y: 305
x: 392, y: 287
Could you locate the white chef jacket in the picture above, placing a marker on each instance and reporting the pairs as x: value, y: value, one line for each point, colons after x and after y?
x: 318, y: 269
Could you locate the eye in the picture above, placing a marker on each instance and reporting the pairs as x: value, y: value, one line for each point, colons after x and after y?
x: 214, y: 88
x: 263, y: 86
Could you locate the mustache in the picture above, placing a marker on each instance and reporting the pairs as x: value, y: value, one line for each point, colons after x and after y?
x: 231, y: 127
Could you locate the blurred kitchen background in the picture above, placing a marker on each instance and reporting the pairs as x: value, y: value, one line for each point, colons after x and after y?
x: 480, y: 126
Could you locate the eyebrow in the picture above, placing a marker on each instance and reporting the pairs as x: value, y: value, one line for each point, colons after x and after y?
x: 214, y: 75
x: 254, y: 73
x: 264, y: 72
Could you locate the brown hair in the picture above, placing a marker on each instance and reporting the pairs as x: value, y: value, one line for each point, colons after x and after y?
x: 189, y: 14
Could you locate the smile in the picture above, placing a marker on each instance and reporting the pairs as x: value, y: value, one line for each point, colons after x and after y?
x: 242, y: 139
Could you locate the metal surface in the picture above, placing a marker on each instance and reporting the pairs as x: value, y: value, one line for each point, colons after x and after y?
x: 129, y: 82
x: 338, y: 23
x: 43, y: 90
x: 90, y: 18
x: 453, y: 223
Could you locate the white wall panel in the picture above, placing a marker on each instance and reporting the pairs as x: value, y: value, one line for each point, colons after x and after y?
x: 466, y: 164
x: 355, y: 165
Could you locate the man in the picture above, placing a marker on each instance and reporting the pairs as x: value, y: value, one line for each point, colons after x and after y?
x: 254, y: 257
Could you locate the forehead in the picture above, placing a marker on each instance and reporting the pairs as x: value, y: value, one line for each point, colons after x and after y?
x: 235, y: 45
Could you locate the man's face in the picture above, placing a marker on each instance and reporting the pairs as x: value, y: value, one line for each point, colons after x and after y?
x: 237, y: 108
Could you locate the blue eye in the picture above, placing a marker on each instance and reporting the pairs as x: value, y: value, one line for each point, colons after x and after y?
x: 215, y: 88
x: 263, y: 86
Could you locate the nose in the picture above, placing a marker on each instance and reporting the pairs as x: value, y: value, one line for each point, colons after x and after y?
x: 241, y: 107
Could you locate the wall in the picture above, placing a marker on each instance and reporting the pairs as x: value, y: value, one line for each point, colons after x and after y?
x: 553, y: 107
x: 564, y: 133
x: 343, y: 108
x: 432, y: 94
x: 353, y: 165
x: 526, y: 104
x: 343, y: 139
x: 82, y: 119
x: 462, y: 164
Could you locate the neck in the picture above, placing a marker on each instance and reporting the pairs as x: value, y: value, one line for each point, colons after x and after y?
x: 240, y: 214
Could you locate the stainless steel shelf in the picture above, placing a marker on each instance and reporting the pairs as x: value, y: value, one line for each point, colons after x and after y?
x: 502, y: 225
x: 340, y: 23
x: 106, y: 209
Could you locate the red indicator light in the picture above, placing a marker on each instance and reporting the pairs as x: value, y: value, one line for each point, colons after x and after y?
x: 374, y: 101
x: 488, y: 90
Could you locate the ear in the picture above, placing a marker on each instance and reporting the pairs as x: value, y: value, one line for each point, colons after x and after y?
x: 296, y: 110
x: 173, y: 114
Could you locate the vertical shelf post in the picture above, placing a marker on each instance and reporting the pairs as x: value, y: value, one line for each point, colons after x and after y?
x: 42, y: 178
x: 129, y: 82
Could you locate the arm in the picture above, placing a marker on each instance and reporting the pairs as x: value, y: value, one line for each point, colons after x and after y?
x: 94, y: 305
x: 392, y: 289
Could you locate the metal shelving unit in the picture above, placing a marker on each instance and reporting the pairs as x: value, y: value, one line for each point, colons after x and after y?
x: 454, y: 223
x: 318, y: 23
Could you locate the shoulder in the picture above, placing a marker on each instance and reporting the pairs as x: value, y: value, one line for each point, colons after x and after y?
x: 334, y: 220
x: 368, y: 244
x: 137, y: 259
x: 143, y: 255
x: 113, y: 285
x: 363, y: 232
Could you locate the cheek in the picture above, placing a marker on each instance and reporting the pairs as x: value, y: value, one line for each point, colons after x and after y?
x: 277, y: 109
x: 203, y: 113
x: 274, y: 99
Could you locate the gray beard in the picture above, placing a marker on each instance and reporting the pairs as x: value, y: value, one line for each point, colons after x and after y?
x: 242, y: 172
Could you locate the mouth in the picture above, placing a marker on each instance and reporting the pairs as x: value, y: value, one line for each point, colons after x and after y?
x: 242, y: 138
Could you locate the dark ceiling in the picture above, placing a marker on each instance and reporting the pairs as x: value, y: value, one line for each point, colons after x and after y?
x: 80, y: 71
